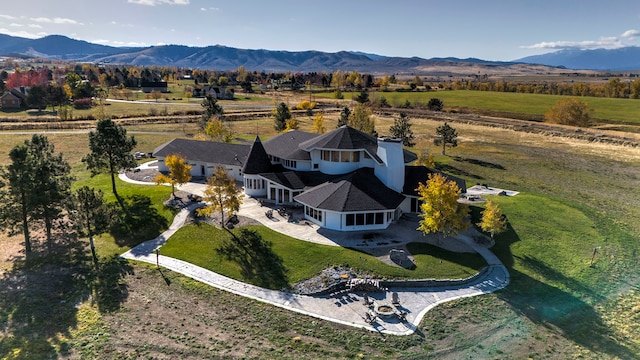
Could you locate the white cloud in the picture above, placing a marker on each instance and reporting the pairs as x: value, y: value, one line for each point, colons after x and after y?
x: 35, y: 26
x: 8, y: 17
x: 57, y: 20
x: 22, y: 33
x: 159, y: 2
x: 631, y: 34
x: 16, y: 25
x: 210, y: 9
x: 603, y: 42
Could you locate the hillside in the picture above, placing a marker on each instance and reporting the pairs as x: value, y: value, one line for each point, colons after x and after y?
x: 228, y: 58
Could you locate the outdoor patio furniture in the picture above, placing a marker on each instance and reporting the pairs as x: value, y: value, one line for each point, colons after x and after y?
x: 395, y: 301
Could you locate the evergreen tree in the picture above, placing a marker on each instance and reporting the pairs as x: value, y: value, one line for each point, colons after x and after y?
x: 110, y: 151
x: 93, y: 215
x: 282, y: 114
x: 446, y: 135
x: 344, y: 116
x: 401, y: 129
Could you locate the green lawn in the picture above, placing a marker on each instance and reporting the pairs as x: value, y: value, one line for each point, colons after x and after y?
x: 614, y: 110
x: 201, y: 244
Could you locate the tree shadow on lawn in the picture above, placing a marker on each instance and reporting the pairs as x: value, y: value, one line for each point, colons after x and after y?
x: 482, y: 163
x: 137, y: 221
x: 450, y: 169
x: 566, y: 313
x: 259, y: 264
x: 39, y: 298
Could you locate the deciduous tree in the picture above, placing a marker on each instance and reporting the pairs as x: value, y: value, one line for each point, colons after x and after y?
x: 570, y: 111
x: 401, y: 129
x: 493, y: 221
x: 222, y: 195
x: 179, y: 172
x: 446, y: 135
x: 217, y: 131
x: 361, y: 120
x: 425, y: 158
x: 318, y: 124
x: 439, y: 208
x: 110, y: 151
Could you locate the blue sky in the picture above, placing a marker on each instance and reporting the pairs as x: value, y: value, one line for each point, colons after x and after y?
x: 489, y: 29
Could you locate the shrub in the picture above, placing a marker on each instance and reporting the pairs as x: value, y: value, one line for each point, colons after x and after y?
x: 84, y: 103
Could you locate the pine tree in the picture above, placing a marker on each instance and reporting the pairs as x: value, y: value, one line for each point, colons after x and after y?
x: 446, y: 135
x: 281, y: 114
x: 401, y: 129
x: 110, y: 151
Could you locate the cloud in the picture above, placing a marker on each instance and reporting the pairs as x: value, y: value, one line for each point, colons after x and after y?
x: 8, y: 17
x: 60, y: 21
x: 22, y: 33
x: 159, y: 2
x: 603, y: 42
x: 16, y: 25
x: 210, y: 9
x: 631, y: 34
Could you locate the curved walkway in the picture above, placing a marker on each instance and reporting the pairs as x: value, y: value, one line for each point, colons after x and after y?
x: 344, y: 308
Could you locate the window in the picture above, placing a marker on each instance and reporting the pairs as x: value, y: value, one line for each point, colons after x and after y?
x: 359, y: 219
x: 335, y: 156
x: 369, y: 218
x: 366, y: 155
x: 326, y: 155
x: 355, y: 156
x: 350, y: 219
x: 379, y: 218
x: 345, y: 156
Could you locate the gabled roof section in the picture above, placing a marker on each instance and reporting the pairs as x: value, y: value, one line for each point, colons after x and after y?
x: 413, y: 175
x: 357, y: 191
x: 286, y: 145
x: 205, y: 151
x: 257, y: 160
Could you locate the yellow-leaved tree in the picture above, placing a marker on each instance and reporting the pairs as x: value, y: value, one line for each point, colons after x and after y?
x: 493, y: 220
x: 179, y: 172
x: 570, y: 111
x: 318, y: 124
x: 425, y: 158
x: 292, y: 124
x: 439, y: 208
x: 218, y: 131
x: 222, y: 195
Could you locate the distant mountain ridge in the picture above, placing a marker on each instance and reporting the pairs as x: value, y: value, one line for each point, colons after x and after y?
x: 626, y: 58
x: 221, y: 57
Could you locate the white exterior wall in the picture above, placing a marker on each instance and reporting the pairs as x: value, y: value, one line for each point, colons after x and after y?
x: 391, y: 172
x: 337, y: 221
x: 336, y: 168
x: 261, y: 191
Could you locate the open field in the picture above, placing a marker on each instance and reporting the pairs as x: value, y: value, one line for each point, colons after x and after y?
x: 606, y: 110
x: 576, y: 196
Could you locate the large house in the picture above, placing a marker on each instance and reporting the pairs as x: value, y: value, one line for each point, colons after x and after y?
x: 345, y: 179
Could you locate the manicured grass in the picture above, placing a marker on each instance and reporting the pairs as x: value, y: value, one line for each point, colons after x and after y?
x: 301, y: 260
x: 615, y: 110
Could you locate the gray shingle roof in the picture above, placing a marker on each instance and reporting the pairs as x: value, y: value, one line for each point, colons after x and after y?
x: 257, y: 161
x: 286, y: 145
x: 360, y: 190
x: 205, y: 151
x: 344, y: 138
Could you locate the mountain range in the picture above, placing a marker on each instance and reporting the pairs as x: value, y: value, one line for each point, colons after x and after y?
x: 228, y: 58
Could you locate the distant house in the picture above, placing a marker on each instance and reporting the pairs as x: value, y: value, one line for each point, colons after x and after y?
x: 149, y: 86
x: 217, y: 92
x: 14, y: 98
x: 346, y: 180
